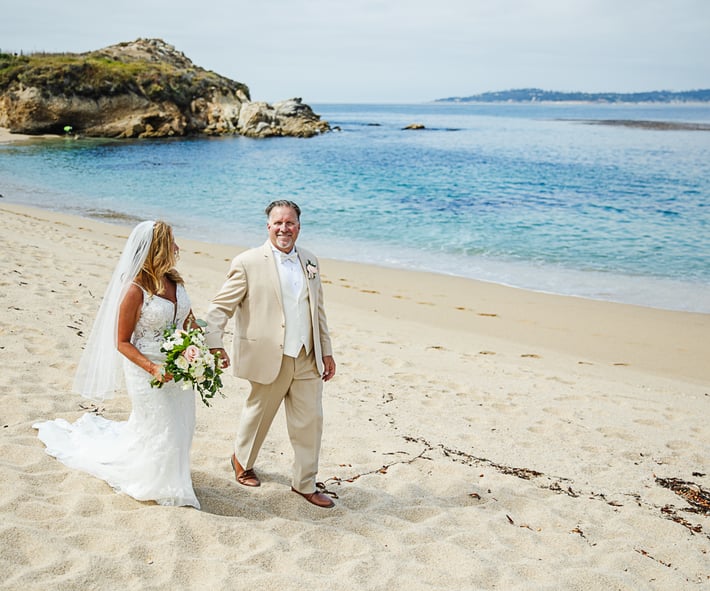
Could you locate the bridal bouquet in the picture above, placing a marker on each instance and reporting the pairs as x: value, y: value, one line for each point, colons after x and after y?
x: 189, y: 360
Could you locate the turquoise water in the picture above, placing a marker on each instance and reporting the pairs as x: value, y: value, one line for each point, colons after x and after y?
x: 524, y: 195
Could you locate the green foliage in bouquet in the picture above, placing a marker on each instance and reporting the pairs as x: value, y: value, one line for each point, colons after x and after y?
x: 189, y: 360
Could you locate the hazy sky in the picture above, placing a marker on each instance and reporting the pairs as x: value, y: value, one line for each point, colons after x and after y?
x: 394, y: 50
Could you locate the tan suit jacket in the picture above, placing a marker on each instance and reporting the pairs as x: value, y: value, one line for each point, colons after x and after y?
x: 252, y: 295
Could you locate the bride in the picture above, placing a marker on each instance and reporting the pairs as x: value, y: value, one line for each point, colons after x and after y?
x: 148, y: 456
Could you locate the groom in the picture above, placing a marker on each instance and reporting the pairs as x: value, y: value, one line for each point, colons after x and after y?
x: 281, y: 346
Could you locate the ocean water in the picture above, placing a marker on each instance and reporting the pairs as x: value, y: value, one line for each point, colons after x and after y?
x: 531, y: 195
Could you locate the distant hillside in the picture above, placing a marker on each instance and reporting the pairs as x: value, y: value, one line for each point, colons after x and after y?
x: 522, y: 95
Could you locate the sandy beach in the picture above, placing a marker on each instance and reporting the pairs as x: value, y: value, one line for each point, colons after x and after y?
x: 6, y: 136
x: 476, y: 437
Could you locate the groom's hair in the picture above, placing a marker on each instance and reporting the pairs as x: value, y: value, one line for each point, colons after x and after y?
x: 283, y: 203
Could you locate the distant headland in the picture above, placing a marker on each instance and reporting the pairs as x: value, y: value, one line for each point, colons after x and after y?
x: 532, y: 95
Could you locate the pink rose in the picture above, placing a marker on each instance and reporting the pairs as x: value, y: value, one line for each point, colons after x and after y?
x: 191, y: 353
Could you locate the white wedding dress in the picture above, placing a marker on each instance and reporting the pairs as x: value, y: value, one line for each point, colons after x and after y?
x: 148, y: 456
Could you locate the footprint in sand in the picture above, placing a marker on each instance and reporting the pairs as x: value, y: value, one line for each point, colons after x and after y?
x: 648, y: 423
x: 394, y: 362
x: 560, y: 380
x: 615, y: 433
x: 415, y: 514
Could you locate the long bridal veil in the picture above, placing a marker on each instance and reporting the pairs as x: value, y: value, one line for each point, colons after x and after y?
x: 100, y: 371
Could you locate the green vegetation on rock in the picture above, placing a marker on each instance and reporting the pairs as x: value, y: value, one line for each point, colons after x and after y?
x: 94, y: 75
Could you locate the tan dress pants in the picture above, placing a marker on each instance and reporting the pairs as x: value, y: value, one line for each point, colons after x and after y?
x: 300, y: 387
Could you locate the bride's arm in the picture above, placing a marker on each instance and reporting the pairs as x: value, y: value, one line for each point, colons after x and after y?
x: 191, y: 322
x: 128, y: 315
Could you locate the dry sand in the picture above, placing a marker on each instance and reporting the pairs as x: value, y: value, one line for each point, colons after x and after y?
x: 7, y: 137
x: 477, y: 437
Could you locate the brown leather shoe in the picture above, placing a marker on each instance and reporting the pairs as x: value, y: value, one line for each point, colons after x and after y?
x: 317, y: 498
x: 245, y: 477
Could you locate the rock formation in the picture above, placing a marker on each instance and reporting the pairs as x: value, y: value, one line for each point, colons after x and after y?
x: 144, y: 88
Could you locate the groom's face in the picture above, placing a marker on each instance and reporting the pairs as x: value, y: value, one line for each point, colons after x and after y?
x: 283, y: 226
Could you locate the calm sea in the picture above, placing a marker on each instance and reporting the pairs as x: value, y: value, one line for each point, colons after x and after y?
x: 525, y: 195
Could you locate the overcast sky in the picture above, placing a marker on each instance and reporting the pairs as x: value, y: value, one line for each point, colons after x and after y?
x: 394, y: 50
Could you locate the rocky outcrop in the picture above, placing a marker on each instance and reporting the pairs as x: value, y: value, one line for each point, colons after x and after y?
x: 290, y: 117
x: 145, y: 88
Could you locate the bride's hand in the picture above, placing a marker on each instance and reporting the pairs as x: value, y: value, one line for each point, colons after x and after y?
x: 223, y: 357
x: 157, y: 373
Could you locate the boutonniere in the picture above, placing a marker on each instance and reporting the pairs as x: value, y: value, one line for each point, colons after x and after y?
x: 311, y: 269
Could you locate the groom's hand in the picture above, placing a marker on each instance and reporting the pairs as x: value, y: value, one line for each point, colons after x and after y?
x: 328, y: 367
x: 223, y: 357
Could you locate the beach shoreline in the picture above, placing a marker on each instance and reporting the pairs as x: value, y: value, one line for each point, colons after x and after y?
x: 651, y: 263
x: 526, y: 437
x: 666, y: 342
x: 6, y: 136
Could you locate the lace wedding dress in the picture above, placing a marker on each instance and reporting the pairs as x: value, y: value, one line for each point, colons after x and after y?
x: 148, y: 456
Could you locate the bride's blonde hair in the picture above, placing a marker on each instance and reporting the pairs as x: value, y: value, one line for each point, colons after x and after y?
x: 160, y: 261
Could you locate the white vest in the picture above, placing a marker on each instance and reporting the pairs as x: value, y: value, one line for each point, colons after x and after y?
x: 297, y: 315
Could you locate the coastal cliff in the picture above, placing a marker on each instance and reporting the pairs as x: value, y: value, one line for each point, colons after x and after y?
x: 139, y: 89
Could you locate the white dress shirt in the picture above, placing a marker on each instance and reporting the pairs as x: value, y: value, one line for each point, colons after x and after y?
x: 294, y: 295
